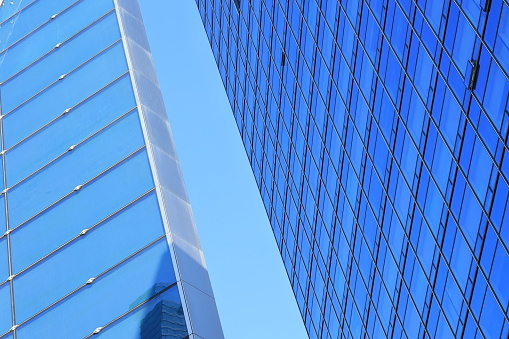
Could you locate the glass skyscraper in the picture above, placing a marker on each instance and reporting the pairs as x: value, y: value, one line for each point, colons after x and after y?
x: 377, y: 131
x: 99, y: 238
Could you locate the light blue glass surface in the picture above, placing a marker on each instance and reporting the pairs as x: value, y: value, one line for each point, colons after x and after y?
x: 72, y: 89
x: 13, y: 6
x: 56, y: 31
x: 107, y: 65
x: 72, y: 128
x: 59, y: 224
x: 29, y: 19
x: 61, y: 61
x: 161, y: 317
x: 75, y: 168
x: 4, y: 262
x: 5, y: 308
x: 86, y: 257
x: 106, y: 298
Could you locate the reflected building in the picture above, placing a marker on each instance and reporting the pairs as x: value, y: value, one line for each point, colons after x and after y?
x: 94, y: 211
x: 377, y: 131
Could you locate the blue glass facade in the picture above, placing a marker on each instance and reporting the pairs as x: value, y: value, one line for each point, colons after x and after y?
x: 99, y: 238
x: 377, y: 131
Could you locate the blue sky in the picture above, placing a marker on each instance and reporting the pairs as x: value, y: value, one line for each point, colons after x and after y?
x: 252, y: 291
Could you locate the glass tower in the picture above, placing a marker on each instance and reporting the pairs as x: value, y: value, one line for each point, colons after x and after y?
x: 99, y: 239
x: 377, y: 131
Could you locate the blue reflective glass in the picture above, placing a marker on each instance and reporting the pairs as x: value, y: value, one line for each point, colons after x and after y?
x: 161, y: 317
x: 87, y: 256
x: 59, y: 224
x: 12, y: 7
x: 5, y: 308
x: 75, y: 168
x: 4, y: 262
x: 29, y: 19
x: 108, y: 297
x: 68, y: 92
x: 72, y: 129
x: 60, y: 61
x: 55, y: 31
x: 418, y: 121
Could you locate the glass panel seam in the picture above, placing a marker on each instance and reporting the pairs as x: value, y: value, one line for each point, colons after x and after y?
x: 62, y: 77
x: 71, y: 148
x: 81, y: 186
x: 82, y: 233
x: 58, y: 45
x: 67, y: 111
x: 92, y: 280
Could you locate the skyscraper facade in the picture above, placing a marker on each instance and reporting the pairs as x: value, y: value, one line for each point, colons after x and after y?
x: 377, y: 131
x: 99, y: 238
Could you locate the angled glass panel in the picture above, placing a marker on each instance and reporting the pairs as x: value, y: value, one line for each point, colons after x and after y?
x: 86, y: 257
x: 72, y: 128
x: 61, y: 61
x: 17, y: 128
x: 76, y: 86
x: 94, y: 202
x: 161, y: 317
x: 29, y: 19
x: 107, y: 298
x: 56, y: 31
x: 75, y: 168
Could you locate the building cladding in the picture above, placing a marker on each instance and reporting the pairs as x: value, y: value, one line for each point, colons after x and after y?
x: 99, y: 236
x: 377, y: 132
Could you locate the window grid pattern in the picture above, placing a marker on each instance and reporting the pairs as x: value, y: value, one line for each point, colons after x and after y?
x: 377, y: 133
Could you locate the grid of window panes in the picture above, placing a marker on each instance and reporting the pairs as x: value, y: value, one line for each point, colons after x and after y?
x: 377, y: 132
x: 83, y: 247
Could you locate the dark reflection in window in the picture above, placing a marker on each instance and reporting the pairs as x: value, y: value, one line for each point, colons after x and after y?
x: 165, y: 320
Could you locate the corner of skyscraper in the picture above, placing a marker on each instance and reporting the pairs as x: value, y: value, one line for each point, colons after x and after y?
x: 99, y: 238
x: 377, y: 131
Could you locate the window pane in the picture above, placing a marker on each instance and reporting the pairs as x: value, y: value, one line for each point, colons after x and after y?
x: 56, y: 31
x: 72, y: 128
x: 106, y: 298
x: 92, y: 204
x: 28, y: 19
x: 75, y: 168
x: 161, y: 317
x: 5, y: 308
x: 72, y: 89
x: 88, y: 256
x: 61, y: 61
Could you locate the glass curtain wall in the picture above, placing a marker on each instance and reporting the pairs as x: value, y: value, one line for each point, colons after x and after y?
x: 89, y: 243
x: 377, y: 131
